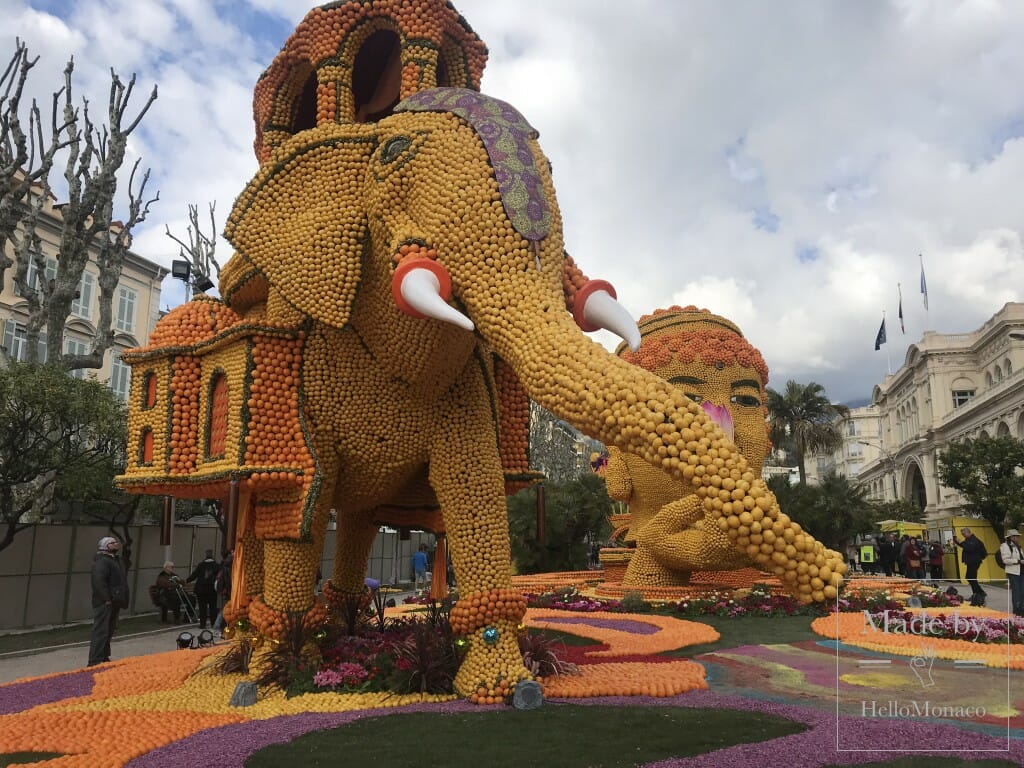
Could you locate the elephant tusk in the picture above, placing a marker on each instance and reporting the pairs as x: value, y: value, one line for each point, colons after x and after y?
x: 421, y: 288
x: 596, y: 307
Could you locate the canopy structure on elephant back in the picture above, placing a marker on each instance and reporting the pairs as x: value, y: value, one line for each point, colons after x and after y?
x: 354, y: 61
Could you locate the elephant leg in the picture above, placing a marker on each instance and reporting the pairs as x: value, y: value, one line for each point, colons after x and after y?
x: 352, y: 545
x: 466, y: 475
x: 290, y: 566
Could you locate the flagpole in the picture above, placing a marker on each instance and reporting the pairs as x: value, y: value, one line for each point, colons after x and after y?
x: 924, y: 289
x: 888, y: 362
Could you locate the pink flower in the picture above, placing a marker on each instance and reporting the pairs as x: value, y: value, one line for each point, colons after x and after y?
x: 721, y: 415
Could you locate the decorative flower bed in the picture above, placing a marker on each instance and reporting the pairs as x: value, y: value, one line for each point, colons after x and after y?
x: 153, y: 711
x: 945, y: 633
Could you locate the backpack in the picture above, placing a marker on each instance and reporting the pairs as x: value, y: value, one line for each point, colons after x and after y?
x: 999, y: 558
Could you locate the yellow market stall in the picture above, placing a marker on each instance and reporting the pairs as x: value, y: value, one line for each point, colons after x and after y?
x: 902, y: 528
x: 942, y: 530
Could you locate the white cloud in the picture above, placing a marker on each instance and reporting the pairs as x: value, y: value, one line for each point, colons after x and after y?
x: 781, y: 164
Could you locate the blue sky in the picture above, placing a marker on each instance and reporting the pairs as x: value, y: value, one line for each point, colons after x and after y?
x: 782, y: 164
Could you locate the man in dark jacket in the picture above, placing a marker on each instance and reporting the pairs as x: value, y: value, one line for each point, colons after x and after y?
x: 973, y: 554
x: 205, y: 577
x: 109, y: 596
x: 888, y: 552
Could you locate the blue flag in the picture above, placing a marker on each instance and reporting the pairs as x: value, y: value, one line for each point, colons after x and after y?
x: 880, y: 338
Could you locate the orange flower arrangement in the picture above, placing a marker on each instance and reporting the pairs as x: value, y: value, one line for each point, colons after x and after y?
x: 854, y: 629
x: 629, y: 679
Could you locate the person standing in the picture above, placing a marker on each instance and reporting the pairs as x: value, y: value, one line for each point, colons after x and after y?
x: 205, y: 577
x: 973, y: 554
x: 1010, y: 551
x: 109, y: 596
x: 223, y: 586
x: 935, y: 560
x: 889, y: 550
x: 901, y: 559
x: 419, y: 567
x: 867, y: 557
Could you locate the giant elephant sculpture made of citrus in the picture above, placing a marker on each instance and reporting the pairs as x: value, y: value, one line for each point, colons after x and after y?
x: 391, y: 280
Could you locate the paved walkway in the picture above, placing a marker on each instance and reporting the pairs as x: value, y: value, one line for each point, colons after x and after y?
x: 64, y: 658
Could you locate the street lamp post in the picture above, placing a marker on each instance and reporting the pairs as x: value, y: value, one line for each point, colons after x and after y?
x: 890, y: 461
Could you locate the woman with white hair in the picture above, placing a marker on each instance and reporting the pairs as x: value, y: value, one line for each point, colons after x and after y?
x: 1010, y: 553
x: 167, y: 596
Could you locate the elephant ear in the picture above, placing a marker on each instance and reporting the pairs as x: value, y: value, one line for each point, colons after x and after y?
x: 301, y: 221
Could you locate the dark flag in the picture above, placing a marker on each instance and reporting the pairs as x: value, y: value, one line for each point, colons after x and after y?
x: 880, y: 338
x: 904, y: 330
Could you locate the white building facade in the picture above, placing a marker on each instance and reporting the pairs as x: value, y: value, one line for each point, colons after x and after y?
x: 135, y: 308
x: 949, y: 388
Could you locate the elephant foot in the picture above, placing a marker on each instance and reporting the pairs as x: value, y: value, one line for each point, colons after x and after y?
x: 279, y: 626
x: 489, y: 622
x: 339, y: 599
x: 493, y: 664
x: 236, y: 613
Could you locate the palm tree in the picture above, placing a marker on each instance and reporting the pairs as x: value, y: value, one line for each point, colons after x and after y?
x: 803, y: 419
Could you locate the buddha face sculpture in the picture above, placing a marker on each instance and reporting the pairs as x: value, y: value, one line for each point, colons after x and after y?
x: 708, y: 357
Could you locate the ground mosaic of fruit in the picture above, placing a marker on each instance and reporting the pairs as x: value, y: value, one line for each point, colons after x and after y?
x: 155, y: 711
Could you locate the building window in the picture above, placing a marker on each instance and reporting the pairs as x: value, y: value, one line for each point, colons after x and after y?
x: 149, y: 390
x: 75, y: 347
x: 1009, y: 367
x: 146, y: 447
x: 125, y: 310
x: 852, y: 429
x: 81, y: 306
x: 217, y: 418
x: 120, y: 378
x: 855, y: 449
x: 16, y: 342
x: 962, y: 396
x: 32, y: 277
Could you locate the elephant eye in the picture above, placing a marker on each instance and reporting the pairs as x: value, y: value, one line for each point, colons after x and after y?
x: 394, y: 147
x: 695, y: 397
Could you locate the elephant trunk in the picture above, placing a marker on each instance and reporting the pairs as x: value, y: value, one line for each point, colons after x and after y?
x: 640, y: 413
x: 609, y: 399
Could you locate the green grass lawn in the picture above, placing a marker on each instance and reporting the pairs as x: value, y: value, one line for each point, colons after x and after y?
x: 554, y: 736
x: 750, y: 630
x: 25, y: 758
x: 76, y: 633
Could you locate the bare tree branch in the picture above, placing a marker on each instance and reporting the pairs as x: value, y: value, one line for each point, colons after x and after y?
x: 200, y: 248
